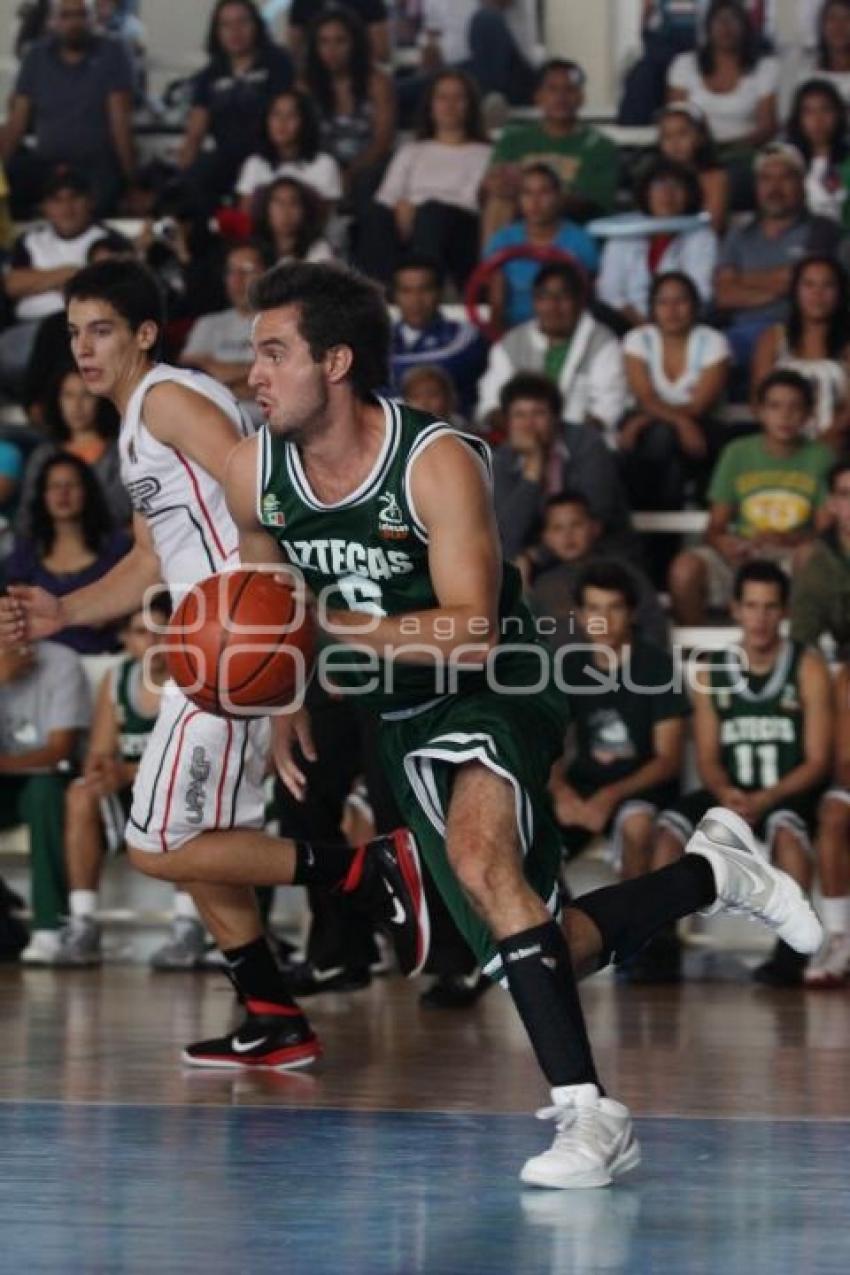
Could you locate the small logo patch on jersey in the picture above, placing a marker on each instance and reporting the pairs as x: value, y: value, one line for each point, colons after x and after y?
x: 391, y: 524
x: 142, y: 493
x: 196, y: 793
x: 272, y: 513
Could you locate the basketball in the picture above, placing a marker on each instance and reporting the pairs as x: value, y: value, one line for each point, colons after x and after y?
x: 241, y: 643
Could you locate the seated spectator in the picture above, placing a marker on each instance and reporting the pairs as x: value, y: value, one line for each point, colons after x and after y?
x: 756, y: 260
x: 78, y: 424
x: 220, y: 344
x: 586, y: 162
x: 356, y: 104
x: 74, y: 92
x: 571, y: 540
x: 730, y: 80
x: 541, y: 456
x: 289, y: 223
x: 444, y: 40
x: 628, y: 737
x: 820, y: 590
x: 831, y: 58
x: 373, y: 13
x: 429, y: 197
x: 6, y: 226
x: 630, y: 263
x: 114, y: 21
x: 818, y: 126
x: 98, y: 803
x: 563, y: 340
x: 497, y: 61
x: 245, y: 72
x: 291, y: 149
x: 41, y: 262
x: 677, y: 370
x: 816, y: 343
x: 11, y: 468
x: 831, y: 966
x: 684, y: 138
x: 766, y: 496
x: 44, y: 708
x: 72, y: 544
x: 429, y: 388
x: 422, y: 334
x: 763, y: 724
x: 186, y: 253
x: 540, y: 226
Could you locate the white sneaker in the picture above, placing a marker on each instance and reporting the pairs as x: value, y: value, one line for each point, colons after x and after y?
x: 42, y: 949
x: 747, y: 883
x: 594, y: 1141
x: 80, y: 943
x: 831, y: 966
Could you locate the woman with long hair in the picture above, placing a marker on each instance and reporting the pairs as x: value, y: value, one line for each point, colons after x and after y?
x: 71, y: 543
x: 289, y: 222
x: 684, y: 137
x: 82, y: 425
x: 245, y: 71
x: 815, y: 342
x: 292, y: 148
x: 429, y: 198
x: 817, y: 126
x: 831, y: 60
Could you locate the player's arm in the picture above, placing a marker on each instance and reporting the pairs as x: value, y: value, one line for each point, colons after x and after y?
x: 58, y: 748
x: 256, y: 546
x: 29, y: 612
x: 841, y: 756
x: 17, y: 123
x: 707, y: 742
x: 193, y: 425
x: 452, y: 497
x: 816, y: 700
x: 668, y: 741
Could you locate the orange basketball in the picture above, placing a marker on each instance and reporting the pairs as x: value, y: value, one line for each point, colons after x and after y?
x: 241, y: 643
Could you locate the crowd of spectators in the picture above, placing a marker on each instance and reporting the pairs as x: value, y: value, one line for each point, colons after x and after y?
x: 668, y: 330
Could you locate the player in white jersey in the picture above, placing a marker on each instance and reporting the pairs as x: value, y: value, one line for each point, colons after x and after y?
x: 197, y: 812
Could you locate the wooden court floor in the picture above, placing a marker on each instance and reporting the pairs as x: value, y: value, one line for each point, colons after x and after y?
x: 399, y: 1153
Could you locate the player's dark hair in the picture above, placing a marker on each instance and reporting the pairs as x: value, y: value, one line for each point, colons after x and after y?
x: 419, y: 261
x: 610, y: 576
x: 674, y: 276
x: 761, y: 571
x: 668, y: 170
x: 262, y: 36
x: 571, y: 275
x: 791, y: 380
x: 128, y: 286
x: 840, y: 467
x: 534, y: 386
x: 337, y: 306
x: 569, y: 496
x: 95, y: 519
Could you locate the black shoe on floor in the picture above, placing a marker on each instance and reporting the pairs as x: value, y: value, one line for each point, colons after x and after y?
x: 658, y: 962
x: 784, y: 968
x: 391, y: 889
x: 306, y: 979
x: 272, y: 1036
x: 455, y: 991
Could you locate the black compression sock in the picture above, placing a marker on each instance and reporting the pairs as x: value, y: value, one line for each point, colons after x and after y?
x: 326, y: 863
x: 628, y: 914
x: 257, y: 974
x: 541, y: 981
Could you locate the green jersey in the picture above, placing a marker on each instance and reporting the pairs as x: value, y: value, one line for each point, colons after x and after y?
x: 761, y: 719
x: 134, y: 729
x: 369, y: 553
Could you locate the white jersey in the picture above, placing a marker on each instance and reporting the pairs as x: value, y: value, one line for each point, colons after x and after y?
x: 191, y: 528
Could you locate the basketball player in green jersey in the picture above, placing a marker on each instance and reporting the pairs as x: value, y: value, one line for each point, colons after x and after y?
x: 764, y: 743
x: 387, y: 513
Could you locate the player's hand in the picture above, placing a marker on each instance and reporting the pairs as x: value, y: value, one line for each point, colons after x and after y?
x: 28, y: 613
x: 291, y: 730
x: 738, y: 800
x: 568, y: 807
x: 104, y: 774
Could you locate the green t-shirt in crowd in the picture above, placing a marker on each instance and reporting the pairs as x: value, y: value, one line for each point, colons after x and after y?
x: 555, y: 358
x: 587, y: 163
x: 770, y: 493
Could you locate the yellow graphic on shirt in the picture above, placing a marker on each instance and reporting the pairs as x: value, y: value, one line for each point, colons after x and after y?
x: 775, y: 509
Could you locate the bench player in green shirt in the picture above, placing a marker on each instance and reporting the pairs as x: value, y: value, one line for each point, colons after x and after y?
x: 763, y: 738
x: 387, y: 513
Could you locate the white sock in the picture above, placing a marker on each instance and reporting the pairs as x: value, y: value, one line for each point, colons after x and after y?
x: 83, y: 902
x: 184, y: 907
x: 835, y: 914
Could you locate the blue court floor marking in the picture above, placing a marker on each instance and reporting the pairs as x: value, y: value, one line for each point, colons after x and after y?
x: 123, y: 1189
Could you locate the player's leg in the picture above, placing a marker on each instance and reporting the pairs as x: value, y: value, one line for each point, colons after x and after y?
x: 634, y: 833
x: 831, y: 966
x: 80, y: 940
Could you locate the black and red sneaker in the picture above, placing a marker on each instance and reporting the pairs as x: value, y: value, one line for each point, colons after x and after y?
x: 385, y: 879
x: 272, y: 1036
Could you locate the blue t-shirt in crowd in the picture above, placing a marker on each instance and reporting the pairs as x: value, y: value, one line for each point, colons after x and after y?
x: 520, y: 274
x: 11, y: 466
